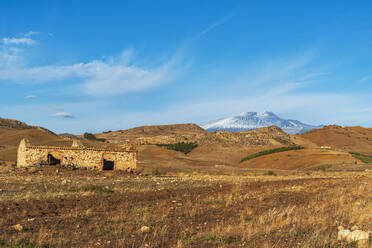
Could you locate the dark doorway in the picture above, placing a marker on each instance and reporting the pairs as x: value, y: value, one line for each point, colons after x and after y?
x: 108, y: 165
x: 52, y: 160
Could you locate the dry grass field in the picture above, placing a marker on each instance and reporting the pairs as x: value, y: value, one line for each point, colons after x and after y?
x: 54, y: 207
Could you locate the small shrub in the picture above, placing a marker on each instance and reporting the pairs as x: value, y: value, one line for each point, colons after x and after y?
x: 228, y: 240
x: 271, y: 173
x: 248, y: 218
x: 325, y: 167
x: 180, y: 147
x: 90, y: 136
x: 156, y: 172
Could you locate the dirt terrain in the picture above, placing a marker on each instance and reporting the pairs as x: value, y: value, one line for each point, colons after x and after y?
x: 355, y: 139
x: 61, y: 208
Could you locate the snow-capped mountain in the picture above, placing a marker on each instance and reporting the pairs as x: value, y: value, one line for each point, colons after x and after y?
x: 252, y: 120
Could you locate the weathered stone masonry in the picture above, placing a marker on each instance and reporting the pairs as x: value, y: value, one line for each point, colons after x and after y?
x: 124, y: 158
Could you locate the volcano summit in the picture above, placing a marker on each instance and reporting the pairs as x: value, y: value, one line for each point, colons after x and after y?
x: 252, y: 120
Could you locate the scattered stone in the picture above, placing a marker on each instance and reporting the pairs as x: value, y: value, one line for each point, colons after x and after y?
x: 88, y: 212
x: 32, y: 170
x: 359, y: 236
x: 145, y: 229
x: 65, y: 181
x: 342, y: 234
x: 18, y: 227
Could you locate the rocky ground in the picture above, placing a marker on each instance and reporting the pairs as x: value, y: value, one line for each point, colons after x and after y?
x: 56, y: 207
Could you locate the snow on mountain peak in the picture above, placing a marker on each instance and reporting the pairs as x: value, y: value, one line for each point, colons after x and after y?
x: 247, y: 113
x: 252, y: 120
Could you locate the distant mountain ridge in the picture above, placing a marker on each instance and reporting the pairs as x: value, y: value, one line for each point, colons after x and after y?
x: 253, y: 120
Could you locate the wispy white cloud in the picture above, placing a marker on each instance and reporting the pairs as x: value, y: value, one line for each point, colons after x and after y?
x: 64, y: 115
x: 99, y: 78
x: 10, y: 58
x: 18, y: 41
x: 25, y: 40
x: 215, y: 25
x: 31, y: 33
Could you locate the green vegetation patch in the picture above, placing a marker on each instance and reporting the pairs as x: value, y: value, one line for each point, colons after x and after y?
x: 271, y: 173
x: 180, y: 147
x: 271, y: 151
x: 90, y: 136
x: 157, y: 172
x: 364, y: 158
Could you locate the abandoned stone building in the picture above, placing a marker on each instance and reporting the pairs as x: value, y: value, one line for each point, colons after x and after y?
x: 120, y: 158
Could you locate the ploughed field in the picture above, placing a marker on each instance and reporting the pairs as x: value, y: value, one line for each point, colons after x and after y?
x: 55, y: 207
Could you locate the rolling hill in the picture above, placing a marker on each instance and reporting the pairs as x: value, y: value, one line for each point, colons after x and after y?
x: 219, y: 149
x: 351, y: 139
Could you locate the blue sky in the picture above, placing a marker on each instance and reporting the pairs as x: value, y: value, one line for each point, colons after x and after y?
x: 77, y: 66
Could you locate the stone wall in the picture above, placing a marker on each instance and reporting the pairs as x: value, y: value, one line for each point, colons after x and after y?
x: 79, y: 157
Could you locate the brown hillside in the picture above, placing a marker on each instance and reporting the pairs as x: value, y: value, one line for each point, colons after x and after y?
x: 156, y: 134
x: 357, y: 139
x: 302, y: 159
x: 18, y: 125
x: 13, y: 124
x: 221, y: 148
x: 10, y: 138
x: 169, y: 134
x: 164, y: 129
